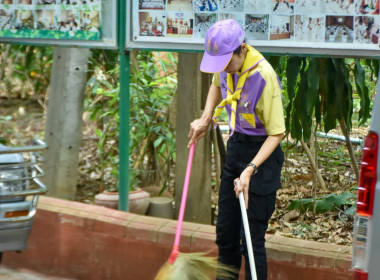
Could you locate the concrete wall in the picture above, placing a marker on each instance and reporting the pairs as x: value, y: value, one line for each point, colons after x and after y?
x: 80, y: 241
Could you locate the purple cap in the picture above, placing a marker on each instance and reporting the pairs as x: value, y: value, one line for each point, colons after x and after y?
x: 221, y: 41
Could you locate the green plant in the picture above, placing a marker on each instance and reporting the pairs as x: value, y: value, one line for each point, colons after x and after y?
x: 152, y: 140
x: 104, y: 109
x: 25, y: 70
x: 344, y: 202
x: 322, y: 92
x: 4, y: 119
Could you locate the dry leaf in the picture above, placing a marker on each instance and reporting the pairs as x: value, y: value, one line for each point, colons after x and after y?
x: 291, y: 216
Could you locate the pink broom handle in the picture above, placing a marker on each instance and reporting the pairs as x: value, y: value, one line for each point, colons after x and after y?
x: 174, y: 254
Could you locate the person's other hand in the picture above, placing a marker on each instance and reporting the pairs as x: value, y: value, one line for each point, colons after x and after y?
x: 242, y: 185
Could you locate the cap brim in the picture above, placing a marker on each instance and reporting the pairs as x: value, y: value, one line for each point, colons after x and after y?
x: 215, y: 63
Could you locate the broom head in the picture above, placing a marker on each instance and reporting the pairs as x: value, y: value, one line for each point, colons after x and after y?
x: 191, y: 266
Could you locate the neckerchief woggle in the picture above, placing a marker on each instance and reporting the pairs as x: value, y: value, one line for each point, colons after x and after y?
x: 252, y: 58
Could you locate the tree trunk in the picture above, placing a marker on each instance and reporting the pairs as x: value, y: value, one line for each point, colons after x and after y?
x: 343, y: 127
x: 191, y: 95
x: 314, y: 165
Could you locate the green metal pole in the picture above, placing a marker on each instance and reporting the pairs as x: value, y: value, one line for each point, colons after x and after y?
x: 124, y: 133
x: 123, y: 111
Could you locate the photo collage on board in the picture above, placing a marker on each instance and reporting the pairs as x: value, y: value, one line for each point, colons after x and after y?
x: 323, y: 21
x: 51, y: 19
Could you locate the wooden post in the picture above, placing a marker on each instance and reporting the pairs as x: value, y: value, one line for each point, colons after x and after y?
x: 191, y: 97
x: 63, y: 129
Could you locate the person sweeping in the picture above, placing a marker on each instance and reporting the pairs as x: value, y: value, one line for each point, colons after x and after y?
x: 245, y: 84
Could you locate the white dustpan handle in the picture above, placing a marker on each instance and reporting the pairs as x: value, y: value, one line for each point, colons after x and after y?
x: 247, y: 235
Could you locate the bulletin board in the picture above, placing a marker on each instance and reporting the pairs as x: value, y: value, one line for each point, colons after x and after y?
x: 324, y: 27
x: 90, y: 23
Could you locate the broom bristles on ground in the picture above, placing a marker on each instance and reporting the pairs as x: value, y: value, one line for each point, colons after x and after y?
x: 191, y: 266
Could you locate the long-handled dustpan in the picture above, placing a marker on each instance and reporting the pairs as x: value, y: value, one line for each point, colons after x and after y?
x: 247, y: 235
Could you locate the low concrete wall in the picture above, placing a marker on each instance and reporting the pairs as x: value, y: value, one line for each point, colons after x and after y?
x: 80, y: 241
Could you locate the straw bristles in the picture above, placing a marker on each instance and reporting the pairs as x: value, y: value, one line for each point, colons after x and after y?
x: 191, y: 266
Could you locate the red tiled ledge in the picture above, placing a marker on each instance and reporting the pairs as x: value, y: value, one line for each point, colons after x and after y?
x: 80, y: 241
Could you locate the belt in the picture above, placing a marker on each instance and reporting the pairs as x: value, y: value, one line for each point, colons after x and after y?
x: 240, y: 137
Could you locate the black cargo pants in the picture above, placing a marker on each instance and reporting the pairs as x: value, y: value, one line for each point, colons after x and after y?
x: 241, y: 149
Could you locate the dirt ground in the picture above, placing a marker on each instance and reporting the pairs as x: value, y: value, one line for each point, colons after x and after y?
x: 21, y: 120
x: 11, y: 274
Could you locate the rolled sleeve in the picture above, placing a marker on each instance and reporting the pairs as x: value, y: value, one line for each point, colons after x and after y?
x: 216, y: 80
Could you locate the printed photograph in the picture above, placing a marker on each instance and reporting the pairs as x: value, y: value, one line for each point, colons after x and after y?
x: 283, y: 6
x: 231, y: 5
x: 7, y: 2
x: 205, y: 5
x: 45, y: 20
x: 74, y: 2
x: 24, y: 19
x: 256, y: 27
x: 340, y: 7
x: 309, y: 29
x: 180, y: 24
x: 309, y: 7
x: 203, y: 21
x: 90, y: 2
x: 180, y: 5
x: 367, y: 29
x: 281, y: 27
x: 239, y: 17
x: 24, y: 2
x: 152, y: 4
x: 257, y: 6
x: 89, y: 21
x: 5, y: 19
x: 152, y: 23
x: 68, y: 21
x: 339, y: 29
x: 46, y: 2
x: 367, y: 7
